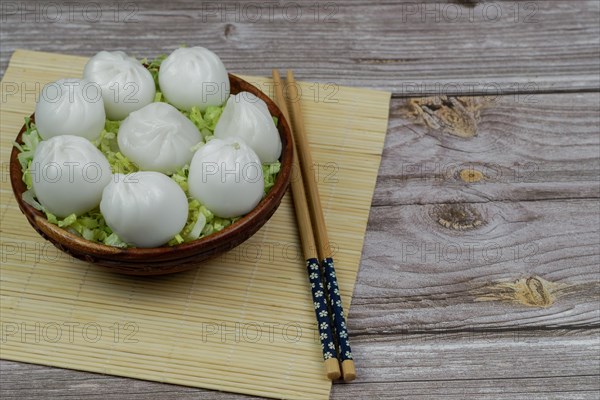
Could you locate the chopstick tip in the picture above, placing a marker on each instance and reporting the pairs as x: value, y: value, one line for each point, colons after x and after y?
x: 348, y: 370
x: 290, y: 75
x: 332, y: 368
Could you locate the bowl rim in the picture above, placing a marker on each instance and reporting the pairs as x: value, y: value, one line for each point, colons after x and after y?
x: 145, y: 255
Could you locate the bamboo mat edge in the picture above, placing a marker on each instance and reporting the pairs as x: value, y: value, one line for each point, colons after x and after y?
x: 382, y: 100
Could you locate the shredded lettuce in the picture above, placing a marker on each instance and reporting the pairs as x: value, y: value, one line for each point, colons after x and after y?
x: 153, y: 66
x: 270, y: 172
x: 107, y: 144
x: 211, y: 116
x: 29, y: 198
x: 201, y: 221
x: 31, y: 138
x: 206, y: 122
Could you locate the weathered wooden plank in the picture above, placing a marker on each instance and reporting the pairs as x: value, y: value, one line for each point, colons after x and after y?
x: 467, y: 266
x: 475, y: 356
x: 523, y: 148
x: 407, y: 47
x: 488, y: 366
x: 477, y: 349
x: 574, y: 388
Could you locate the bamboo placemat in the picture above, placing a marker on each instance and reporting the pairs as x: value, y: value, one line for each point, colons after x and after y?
x: 243, y: 322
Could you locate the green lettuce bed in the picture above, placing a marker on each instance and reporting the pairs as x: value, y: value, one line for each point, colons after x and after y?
x: 201, y: 221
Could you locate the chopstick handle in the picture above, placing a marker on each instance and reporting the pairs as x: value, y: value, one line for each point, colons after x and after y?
x: 337, y: 311
x: 323, y: 320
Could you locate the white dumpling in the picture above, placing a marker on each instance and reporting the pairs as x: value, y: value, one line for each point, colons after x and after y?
x: 70, y: 107
x: 146, y: 208
x: 158, y: 138
x: 193, y: 76
x: 248, y: 117
x: 68, y: 175
x: 226, y: 176
x: 126, y: 85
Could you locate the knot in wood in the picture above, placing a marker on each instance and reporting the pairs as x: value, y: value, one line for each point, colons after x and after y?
x: 458, y: 217
x: 470, y: 175
x: 457, y: 116
x: 229, y: 30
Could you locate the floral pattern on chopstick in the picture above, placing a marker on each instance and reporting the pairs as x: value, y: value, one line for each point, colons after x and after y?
x: 321, y: 311
x: 337, y: 310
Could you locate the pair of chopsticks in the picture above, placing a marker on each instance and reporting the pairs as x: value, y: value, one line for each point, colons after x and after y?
x: 330, y: 314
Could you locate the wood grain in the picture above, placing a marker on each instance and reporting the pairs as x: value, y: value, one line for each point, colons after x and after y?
x: 526, y: 148
x: 529, y: 175
x: 484, y: 365
x: 419, y: 275
x: 407, y: 47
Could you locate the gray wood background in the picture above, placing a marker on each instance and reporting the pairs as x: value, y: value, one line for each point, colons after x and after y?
x: 479, y: 274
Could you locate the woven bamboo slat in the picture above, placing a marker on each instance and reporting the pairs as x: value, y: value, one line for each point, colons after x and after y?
x: 242, y: 322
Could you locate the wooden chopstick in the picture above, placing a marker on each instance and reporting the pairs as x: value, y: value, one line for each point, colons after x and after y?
x: 324, y: 321
x: 318, y: 220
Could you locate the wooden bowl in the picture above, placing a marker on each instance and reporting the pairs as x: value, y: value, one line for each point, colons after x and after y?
x: 166, y: 259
